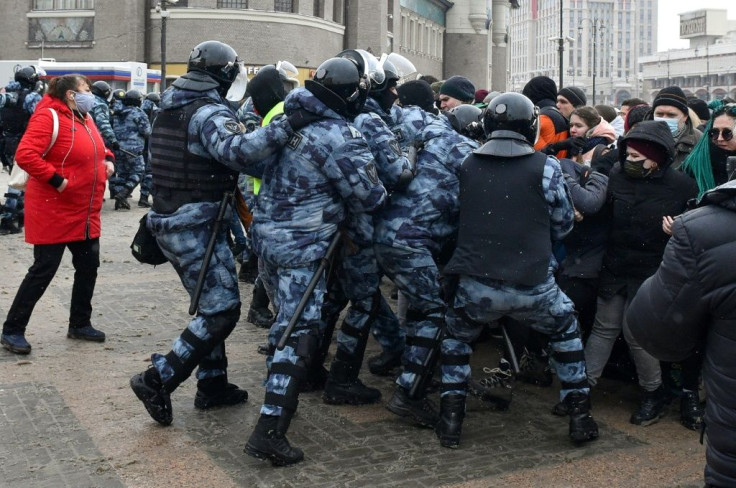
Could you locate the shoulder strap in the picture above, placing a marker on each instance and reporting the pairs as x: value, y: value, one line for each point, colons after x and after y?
x: 55, y: 132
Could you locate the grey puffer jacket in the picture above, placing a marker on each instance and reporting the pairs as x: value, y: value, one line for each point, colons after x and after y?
x: 690, y: 303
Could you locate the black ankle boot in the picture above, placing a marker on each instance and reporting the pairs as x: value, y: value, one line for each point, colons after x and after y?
x: 651, y: 408
x: 343, y: 386
x: 215, y: 392
x: 386, y: 362
x: 582, y: 426
x: 268, y: 441
x: 452, y: 413
x: 691, y: 410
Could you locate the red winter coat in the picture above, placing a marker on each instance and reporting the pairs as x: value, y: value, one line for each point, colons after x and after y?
x: 78, y: 155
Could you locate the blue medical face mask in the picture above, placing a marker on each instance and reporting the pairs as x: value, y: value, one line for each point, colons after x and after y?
x: 84, y: 101
x: 672, y: 123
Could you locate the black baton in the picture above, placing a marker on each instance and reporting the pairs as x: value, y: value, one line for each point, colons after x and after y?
x: 208, y: 253
x: 308, y: 292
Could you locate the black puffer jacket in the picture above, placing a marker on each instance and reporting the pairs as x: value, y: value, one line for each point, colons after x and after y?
x: 690, y: 300
x: 636, y: 207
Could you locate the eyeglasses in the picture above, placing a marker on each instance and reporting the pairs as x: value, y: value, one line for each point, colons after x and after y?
x: 727, y: 134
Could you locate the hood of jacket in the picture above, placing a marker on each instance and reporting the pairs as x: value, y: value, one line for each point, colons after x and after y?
x: 178, y: 97
x: 603, y: 129
x: 301, y: 98
x: 723, y: 196
x: 651, y: 131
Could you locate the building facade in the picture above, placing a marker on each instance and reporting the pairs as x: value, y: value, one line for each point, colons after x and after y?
x: 706, y: 70
x: 442, y: 38
x: 602, y: 42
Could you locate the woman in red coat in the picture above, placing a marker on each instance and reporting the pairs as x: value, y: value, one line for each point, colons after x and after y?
x: 62, y: 206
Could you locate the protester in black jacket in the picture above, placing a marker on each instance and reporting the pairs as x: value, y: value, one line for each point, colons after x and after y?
x: 689, y: 304
x: 642, y: 190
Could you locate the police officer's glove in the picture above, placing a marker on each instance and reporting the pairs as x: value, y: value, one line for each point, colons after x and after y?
x: 573, y: 146
x: 11, y: 99
x: 115, y: 145
x: 302, y: 118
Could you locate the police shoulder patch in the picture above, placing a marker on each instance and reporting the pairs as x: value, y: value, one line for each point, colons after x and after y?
x: 233, y: 127
x: 295, y: 140
x: 395, y: 147
x: 354, y: 132
x: 370, y: 170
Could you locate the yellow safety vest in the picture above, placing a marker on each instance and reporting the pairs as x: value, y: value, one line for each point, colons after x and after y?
x: 276, y: 110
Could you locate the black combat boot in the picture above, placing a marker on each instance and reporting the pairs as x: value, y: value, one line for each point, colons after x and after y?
x: 651, y: 409
x: 534, y: 369
x: 343, y: 386
x: 582, y: 426
x: 143, y: 202
x: 421, y: 410
x: 268, y: 441
x: 121, y: 203
x: 214, y: 392
x: 691, y: 410
x: 259, y: 314
x: 452, y: 413
x: 386, y: 362
x: 150, y: 390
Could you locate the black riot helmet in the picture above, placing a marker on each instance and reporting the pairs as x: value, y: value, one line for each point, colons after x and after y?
x: 367, y: 64
x: 102, y: 90
x: 133, y: 98
x: 466, y: 120
x: 512, y: 112
x: 338, y: 84
x: 385, y: 93
x: 118, y: 94
x: 154, y: 97
x: 219, y: 61
x: 27, y: 76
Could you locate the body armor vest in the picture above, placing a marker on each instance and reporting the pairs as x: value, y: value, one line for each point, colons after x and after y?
x: 15, y: 119
x: 180, y: 177
x: 504, y: 231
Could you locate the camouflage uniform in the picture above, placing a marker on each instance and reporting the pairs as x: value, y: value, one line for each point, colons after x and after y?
x: 358, y: 274
x: 131, y: 128
x: 324, y: 173
x: 101, y: 115
x: 213, y: 132
x: 13, y: 205
x: 544, y: 307
x: 412, y: 230
x: 150, y: 109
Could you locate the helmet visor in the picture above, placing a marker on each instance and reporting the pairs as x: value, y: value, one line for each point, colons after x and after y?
x: 289, y: 74
x: 373, y: 68
x: 405, y: 68
x: 238, y: 87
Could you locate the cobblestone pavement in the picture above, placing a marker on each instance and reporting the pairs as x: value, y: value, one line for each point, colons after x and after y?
x: 68, y: 417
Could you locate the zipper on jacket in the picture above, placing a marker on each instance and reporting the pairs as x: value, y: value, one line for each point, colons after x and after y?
x: 94, y: 181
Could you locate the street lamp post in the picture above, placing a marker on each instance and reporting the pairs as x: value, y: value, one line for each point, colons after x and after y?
x: 598, y: 26
x: 161, y: 8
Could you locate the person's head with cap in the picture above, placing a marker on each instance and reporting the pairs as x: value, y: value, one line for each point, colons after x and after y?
x: 607, y: 112
x: 635, y: 115
x: 700, y: 107
x: 419, y: 93
x: 480, y: 95
x: 456, y: 91
x: 646, y: 148
x: 540, y: 88
x: 570, y: 98
x: 670, y: 106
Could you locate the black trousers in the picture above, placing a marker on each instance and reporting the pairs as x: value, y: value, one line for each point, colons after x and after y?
x: 47, y: 257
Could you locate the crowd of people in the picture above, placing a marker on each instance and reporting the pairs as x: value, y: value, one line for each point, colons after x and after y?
x: 564, y: 225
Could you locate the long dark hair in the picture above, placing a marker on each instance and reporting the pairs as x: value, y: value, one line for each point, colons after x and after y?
x: 61, y: 84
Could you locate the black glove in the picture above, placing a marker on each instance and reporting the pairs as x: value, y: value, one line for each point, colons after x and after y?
x: 302, y: 118
x: 574, y: 146
x: 115, y: 145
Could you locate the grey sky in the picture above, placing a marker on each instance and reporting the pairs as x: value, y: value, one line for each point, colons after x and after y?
x: 669, y: 20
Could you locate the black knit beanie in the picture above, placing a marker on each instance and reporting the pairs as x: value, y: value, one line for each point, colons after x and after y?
x: 460, y: 88
x: 574, y: 95
x: 672, y: 96
x: 417, y: 92
x: 540, y: 88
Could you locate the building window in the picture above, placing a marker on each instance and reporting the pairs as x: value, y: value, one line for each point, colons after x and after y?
x: 63, y: 4
x: 319, y: 8
x: 232, y: 3
x: 283, y: 5
x: 337, y: 11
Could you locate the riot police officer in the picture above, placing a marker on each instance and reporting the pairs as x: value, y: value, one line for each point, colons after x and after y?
x: 513, y: 204
x: 131, y: 128
x: 325, y: 172
x: 21, y: 99
x: 101, y: 113
x: 196, y: 133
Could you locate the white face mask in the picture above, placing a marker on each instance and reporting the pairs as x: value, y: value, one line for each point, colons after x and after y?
x: 674, y: 124
x: 84, y: 101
